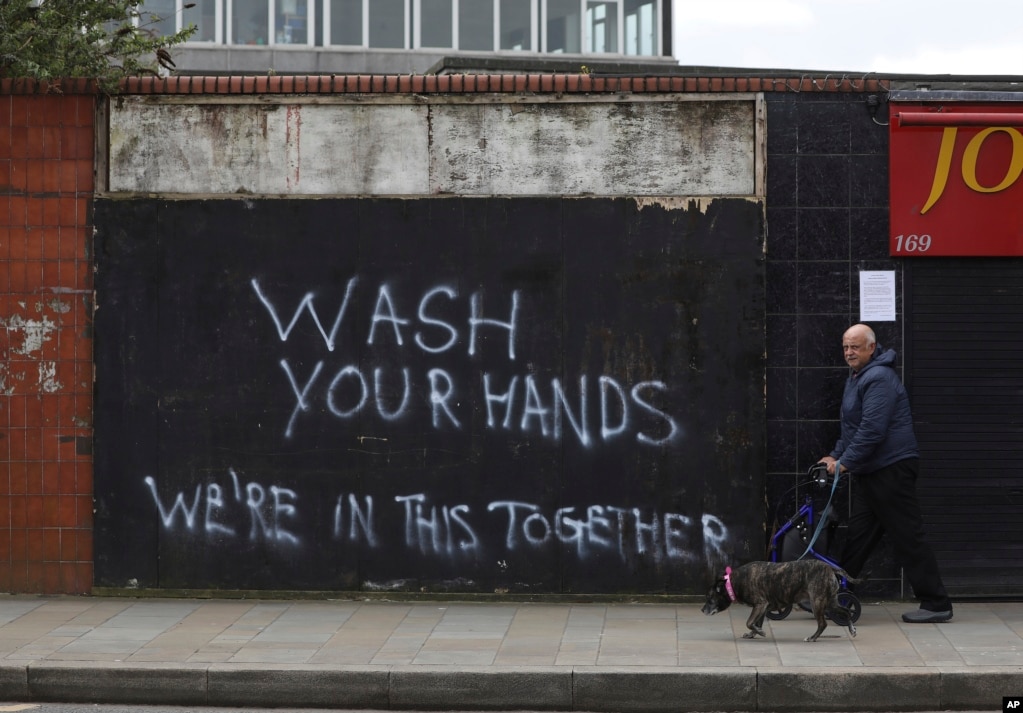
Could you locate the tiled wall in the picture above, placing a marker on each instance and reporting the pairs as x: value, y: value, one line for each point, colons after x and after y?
x: 827, y: 219
x: 46, y: 184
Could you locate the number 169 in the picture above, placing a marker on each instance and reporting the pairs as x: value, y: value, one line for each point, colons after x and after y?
x: 912, y: 243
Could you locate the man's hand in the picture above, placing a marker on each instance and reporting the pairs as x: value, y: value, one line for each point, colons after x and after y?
x: 830, y: 463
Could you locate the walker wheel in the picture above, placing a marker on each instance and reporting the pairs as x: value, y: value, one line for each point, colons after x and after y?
x: 779, y: 614
x: 851, y: 602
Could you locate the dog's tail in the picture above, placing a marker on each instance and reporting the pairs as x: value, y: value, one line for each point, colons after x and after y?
x: 848, y: 577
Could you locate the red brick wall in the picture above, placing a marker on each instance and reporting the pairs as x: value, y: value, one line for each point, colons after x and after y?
x: 46, y: 184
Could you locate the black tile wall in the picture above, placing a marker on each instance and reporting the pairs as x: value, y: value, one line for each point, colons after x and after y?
x: 784, y: 224
x: 827, y: 220
x: 781, y: 180
x: 818, y: 228
x: 868, y: 232
x: 782, y: 287
x: 822, y: 180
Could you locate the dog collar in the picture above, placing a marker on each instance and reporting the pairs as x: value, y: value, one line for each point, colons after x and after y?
x: 728, y: 583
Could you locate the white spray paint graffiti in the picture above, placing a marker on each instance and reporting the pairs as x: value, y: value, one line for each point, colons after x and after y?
x: 266, y: 515
x: 522, y: 403
x: 385, y: 312
x: 514, y: 397
x: 445, y: 531
x: 433, y: 531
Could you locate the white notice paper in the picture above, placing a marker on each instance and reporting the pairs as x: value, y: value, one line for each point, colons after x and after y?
x: 877, y: 296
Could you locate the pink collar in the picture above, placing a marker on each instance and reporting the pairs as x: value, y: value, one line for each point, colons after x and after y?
x: 728, y: 584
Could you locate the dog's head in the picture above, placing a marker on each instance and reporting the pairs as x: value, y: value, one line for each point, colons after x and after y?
x: 717, y: 598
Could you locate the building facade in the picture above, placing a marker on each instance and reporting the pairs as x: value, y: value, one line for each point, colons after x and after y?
x: 406, y: 36
x: 188, y: 301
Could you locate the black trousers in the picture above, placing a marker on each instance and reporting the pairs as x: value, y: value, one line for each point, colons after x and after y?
x: 885, y: 501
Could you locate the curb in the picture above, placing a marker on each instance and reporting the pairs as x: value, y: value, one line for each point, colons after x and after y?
x: 556, y: 688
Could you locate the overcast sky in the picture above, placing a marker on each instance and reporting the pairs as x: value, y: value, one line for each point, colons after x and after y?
x: 971, y: 37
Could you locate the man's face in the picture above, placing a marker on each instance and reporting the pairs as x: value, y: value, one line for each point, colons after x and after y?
x: 856, y: 350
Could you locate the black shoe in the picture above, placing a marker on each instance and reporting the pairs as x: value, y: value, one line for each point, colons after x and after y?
x: 923, y: 616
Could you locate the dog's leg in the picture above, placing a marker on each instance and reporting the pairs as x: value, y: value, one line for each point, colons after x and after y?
x: 844, y: 616
x: 822, y: 624
x: 756, y: 622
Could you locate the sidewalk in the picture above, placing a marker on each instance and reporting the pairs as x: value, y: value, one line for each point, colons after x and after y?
x: 502, y: 655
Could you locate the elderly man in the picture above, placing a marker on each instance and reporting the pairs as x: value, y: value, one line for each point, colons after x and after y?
x: 878, y: 447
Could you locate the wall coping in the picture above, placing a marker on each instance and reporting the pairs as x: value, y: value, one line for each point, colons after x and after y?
x: 454, y: 84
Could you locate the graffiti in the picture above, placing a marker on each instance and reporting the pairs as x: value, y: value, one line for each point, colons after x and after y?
x: 430, y: 530
x: 665, y: 536
x: 598, y: 409
x: 269, y: 514
x: 267, y: 510
x: 385, y: 312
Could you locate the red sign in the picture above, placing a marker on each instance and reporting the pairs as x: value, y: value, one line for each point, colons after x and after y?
x: 956, y: 180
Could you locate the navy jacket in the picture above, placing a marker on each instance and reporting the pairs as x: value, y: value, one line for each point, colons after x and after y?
x: 877, y: 425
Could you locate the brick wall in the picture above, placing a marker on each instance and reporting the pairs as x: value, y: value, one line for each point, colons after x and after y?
x: 46, y: 185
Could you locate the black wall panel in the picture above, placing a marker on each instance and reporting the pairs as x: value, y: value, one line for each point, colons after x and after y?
x: 525, y: 395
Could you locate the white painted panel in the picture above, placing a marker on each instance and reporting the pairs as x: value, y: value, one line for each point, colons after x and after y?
x: 293, y: 149
x: 640, y: 148
x: 691, y: 148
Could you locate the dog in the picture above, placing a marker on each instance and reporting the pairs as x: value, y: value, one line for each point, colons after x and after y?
x: 772, y: 586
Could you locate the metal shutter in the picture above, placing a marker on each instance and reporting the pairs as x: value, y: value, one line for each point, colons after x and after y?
x: 964, y: 372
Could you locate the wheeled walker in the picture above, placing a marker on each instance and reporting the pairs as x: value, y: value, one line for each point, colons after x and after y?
x: 804, y: 535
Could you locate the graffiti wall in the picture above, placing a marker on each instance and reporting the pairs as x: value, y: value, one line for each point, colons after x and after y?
x: 447, y: 394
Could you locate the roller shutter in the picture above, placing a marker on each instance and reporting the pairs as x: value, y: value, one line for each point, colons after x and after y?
x: 964, y: 371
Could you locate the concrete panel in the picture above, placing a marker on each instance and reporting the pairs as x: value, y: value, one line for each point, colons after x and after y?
x: 114, y: 682
x: 824, y: 689
x: 301, y: 685
x: 483, y: 688
x: 637, y: 148
x: 668, y: 689
x: 295, y: 149
x: 13, y: 682
x: 645, y: 148
x: 979, y: 688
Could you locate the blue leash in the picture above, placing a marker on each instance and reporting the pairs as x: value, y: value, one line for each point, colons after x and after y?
x: 826, y: 513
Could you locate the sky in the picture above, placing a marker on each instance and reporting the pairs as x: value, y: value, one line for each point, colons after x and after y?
x: 975, y: 37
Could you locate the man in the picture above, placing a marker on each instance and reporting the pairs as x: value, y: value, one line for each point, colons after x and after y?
x: 878, y: 447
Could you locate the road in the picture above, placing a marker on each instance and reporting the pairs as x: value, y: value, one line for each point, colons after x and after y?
x: 98, y: 708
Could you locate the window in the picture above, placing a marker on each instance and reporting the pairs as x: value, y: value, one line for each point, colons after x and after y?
x: 159, y: 17
x: 564, y: 26
x: 629, y: 27
x: 387, y: 22
x: 435, y: 23
x: 206, y: 18
x: 166, y: 17
x: 291, y: 22
x: 344, y: 22
x: 516, y: 30
x: 640, y: 28
x: 476, y: 25
x: 250, y: 22
x: 366, y: 23
x: 602, y: 27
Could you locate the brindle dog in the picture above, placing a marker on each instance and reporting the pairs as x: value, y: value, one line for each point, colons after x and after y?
x: 770, y: 586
